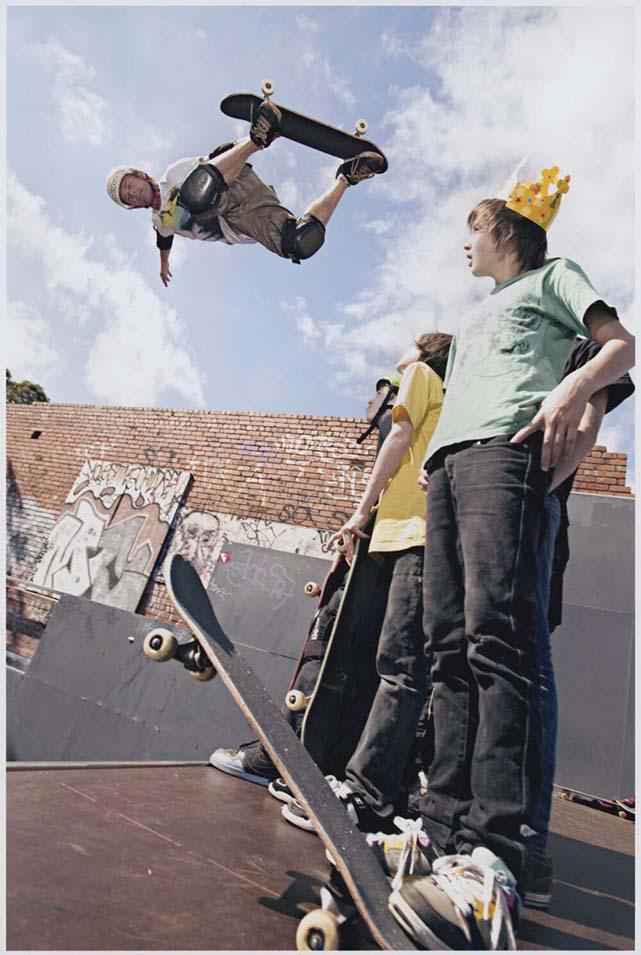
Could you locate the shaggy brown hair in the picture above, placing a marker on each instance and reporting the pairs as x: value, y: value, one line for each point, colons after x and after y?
x: 511, y: 232
x: 435, y: 348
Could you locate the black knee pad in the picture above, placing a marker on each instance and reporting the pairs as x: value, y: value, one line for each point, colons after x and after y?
x: 202, y: 189
x: 301, y: 238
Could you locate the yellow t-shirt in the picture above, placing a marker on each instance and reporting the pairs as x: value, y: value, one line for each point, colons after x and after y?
x: 400, y: 518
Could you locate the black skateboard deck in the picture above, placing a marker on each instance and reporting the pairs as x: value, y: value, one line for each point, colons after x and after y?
x: 303, y: 129
x: 348, y: 680
x: 211, y: 650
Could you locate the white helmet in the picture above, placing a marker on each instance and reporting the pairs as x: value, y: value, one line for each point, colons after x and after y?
x: 115, y: 178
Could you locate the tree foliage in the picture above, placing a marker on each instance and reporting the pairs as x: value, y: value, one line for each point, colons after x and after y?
x: 24, y: 392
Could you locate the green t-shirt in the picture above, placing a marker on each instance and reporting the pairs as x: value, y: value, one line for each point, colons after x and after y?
x: 510, y: 352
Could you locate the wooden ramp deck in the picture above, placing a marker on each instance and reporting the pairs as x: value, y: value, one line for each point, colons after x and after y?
x: 183, y: 857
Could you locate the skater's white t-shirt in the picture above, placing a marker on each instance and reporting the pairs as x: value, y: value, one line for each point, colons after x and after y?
x: 172, y: 219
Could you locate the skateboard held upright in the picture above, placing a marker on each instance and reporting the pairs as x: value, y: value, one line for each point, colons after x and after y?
x: 212, y: 650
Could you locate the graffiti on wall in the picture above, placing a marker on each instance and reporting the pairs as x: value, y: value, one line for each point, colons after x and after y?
x: 107, y: 539
x: 197, y: 538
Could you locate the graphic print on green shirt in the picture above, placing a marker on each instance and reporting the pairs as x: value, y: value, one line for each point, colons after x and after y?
x: 510, y: 351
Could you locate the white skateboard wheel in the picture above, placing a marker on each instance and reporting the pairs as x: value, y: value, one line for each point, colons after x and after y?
x: 312, y: 589
x: 202, y: 675
x: 317, y: 931
x: 296, y: 701
x: 160, y: 645
x: 267, y: 88
x: 361, y: 127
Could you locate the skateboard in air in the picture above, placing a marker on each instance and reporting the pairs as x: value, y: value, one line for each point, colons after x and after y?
x: 303, y: 129
x: 625, y: 808
x: 211, y: 652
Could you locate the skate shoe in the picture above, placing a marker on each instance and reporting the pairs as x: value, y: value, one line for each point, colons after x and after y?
x: 469, y: 902
x: 363, y: 166
x: 407, y: 853
x: 360, y: 814
x: 280, y: 790
x: 249, y: 761
x: 264, y: 127
x: 538, y: 879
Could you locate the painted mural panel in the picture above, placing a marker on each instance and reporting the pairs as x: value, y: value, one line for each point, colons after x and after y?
x: 106, y: 541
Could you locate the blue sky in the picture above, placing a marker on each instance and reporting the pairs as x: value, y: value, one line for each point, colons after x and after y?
x: 455, y: 96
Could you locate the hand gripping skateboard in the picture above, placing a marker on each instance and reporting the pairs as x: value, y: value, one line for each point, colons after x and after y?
x: 211, y: 651
x: 303, y: 129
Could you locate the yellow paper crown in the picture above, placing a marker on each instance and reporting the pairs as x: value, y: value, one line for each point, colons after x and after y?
x: 533, y: 199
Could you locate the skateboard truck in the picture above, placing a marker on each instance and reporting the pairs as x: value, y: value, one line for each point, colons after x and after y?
x: 296, y: 701
x: 161, y: 645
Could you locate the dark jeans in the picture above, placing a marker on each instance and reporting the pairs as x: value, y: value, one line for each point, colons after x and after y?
x: 485, y: 521
x: 547, y: 689
x: 378, y: 765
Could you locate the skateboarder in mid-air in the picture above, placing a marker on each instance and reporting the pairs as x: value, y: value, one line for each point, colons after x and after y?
x: 219, y: 198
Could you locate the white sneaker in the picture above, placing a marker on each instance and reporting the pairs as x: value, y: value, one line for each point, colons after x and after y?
x: 232, y: 761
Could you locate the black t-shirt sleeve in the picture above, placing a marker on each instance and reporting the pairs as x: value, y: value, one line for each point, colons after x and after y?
x: 163, y: 242
x: 583, y: 351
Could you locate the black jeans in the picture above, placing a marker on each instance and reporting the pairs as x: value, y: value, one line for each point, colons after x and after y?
x: 378, y: 766
x: 485, y: 520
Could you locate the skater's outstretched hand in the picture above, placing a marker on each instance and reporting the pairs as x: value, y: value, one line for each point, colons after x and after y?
x: 350, y: 530
x: 165, y: 275
x: 423, y: 479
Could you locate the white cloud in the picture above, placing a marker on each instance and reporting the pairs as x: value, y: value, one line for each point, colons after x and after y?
x: 306, y: 24
x: 503, y: 83
x: 80, y: 110
x: 31, y: 350
x: 139, y: 351
x: 321, y: 71
x: 201, y: 34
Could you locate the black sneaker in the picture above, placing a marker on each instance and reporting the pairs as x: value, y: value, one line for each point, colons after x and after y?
x: 468, y: 903
x: 538, y: 878
x: 360, y: 814
x: 363, y: 166
x: 264, y: 127
x: 280, y: 790
x: 250, y: 761
x: 293, y: 812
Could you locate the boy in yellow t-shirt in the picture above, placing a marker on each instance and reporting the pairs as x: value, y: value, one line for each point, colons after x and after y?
x: 375, y: 772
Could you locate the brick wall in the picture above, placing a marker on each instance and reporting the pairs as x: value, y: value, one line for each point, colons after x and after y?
x: 603, y: 472
x: 298, y: 470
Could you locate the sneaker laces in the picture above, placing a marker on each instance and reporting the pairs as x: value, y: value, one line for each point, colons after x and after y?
x: 467, y: 883
x: 412, y: 835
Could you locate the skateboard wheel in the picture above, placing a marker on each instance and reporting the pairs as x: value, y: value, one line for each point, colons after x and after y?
x: 295, y: 701
x: 361, y: 127
x: 160, y: 645
x: 317, y: 931
x: 340, y: 548
x: 312, y: 589
x: 267, y: 88
x: 202, y: 675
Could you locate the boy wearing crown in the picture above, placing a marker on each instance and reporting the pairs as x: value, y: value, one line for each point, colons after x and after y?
x: 508, y: 418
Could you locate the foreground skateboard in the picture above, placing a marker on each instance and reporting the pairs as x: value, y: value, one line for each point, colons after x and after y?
x: 303, y: 129
x: 212, y: 652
